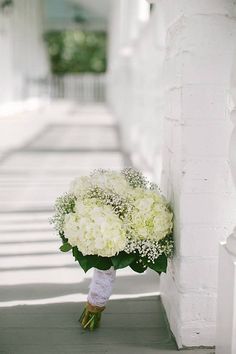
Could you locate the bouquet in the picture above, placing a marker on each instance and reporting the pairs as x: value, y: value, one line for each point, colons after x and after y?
x: 111, y: 220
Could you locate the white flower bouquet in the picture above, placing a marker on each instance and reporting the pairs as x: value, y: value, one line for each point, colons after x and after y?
x: 111, y: 220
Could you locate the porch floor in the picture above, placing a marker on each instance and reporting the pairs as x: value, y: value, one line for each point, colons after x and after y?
x: 42, y: 290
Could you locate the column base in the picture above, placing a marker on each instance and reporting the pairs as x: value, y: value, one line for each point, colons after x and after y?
x: 226, y: 316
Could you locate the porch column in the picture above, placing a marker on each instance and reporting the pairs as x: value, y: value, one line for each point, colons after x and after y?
x: 30, y: 57
x: 21, y: 41
x: 196, y: 173
x: 226, y: 316
x: 7, y: 73
x: 128, y: 17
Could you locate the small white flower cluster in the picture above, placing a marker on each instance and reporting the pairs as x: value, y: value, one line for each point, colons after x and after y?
x: 150, y: 249
x: 108, y: 212
x: 119, y: 204
x: 134, y: 177
x: 63, y: 206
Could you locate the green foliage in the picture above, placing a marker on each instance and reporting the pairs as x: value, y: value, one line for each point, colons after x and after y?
x: 6, y: 3
x: 123, y: 260
x: 76, y: 51
x: 119, y: 261
x: 66, y: 247
x: 138, y: 267
x: 160, y: 264
x: 90, y: 261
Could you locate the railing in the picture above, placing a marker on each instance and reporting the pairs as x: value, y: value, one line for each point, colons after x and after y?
x: 84, y: 88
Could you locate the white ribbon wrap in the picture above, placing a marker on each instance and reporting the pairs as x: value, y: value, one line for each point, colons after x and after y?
x: 101, y: 286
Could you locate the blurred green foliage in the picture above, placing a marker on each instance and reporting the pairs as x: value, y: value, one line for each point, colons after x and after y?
x: 76, y: 51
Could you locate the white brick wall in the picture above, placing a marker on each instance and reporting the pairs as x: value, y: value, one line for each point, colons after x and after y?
x: 178, y: 72
x: 199, y: 58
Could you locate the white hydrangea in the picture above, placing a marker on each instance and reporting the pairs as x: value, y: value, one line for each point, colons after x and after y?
x: 150, y: 217
x: 95, y: 229
x: 107, y: 180
x: 111, y: 181
x: 80, y: 186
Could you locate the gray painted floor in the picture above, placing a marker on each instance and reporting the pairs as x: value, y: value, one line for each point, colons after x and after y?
x: 42, y: 290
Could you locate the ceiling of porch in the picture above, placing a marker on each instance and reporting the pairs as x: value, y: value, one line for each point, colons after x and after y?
x: 68, y: 14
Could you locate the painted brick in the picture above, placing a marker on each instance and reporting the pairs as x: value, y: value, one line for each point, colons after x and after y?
x: 208, y: 7
x: 192, y: 315
x: 173, y: 106
x: 189, y: 45
x: 197, y: 307
x: 208, y: 47
x: 204, y: 102
x: 199, y: 235
x: 196, y: 274
x: 192, y: 335
x: 170, y: 295
x: 203, y: 140
x: 207, y: 176
x: 210, y: 209
x: 198, y: 7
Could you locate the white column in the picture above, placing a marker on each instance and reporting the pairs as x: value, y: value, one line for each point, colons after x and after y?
x: 127, y: 18
x: 30, y: 57
x: 146, y: 133
x: 226, y: 317
x: 126, y: 22
x: 6, y: 66
x: 136, y: 84
x: 23, y: 55
x: 196, y: 174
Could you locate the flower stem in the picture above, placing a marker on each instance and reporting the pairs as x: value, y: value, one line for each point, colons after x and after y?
x: 91, y: 316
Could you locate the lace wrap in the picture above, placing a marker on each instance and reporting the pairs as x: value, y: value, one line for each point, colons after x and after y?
x: 101, y: 286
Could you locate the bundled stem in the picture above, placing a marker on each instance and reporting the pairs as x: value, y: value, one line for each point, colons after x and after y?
x: 91, y: 316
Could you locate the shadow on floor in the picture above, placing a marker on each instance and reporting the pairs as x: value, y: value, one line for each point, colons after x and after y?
x: 128, y: 285
x: 137, y: 326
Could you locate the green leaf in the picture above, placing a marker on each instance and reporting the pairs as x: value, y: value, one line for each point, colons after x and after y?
x: 76, y: 253
x: 138, y: 267
x: 103, y: 263
x: 160, y: 264
x: 88, y: 262
x: 62, y: 236
x: 91, y: 261
x: 66, y: 247
x: 123, y: 259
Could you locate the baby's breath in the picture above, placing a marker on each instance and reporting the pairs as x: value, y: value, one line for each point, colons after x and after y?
x: 149, y: 248
x: 64, y: 205
x: 98, y: 171
x: 154, y: 187
x: 120, y: 205
x: 134, y: 177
